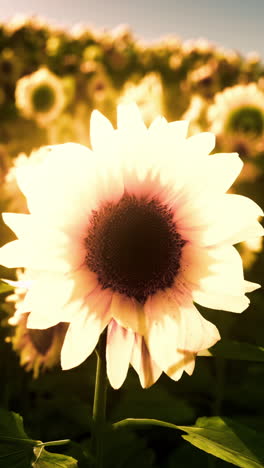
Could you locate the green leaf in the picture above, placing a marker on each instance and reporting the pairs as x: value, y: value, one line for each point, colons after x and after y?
x: 223, y: 438
x: 235, y: 350
x: 5, y: 288
x: 11, y: 425
x: 46, y: 459
x: 228, y: 440
x: 17, y: 450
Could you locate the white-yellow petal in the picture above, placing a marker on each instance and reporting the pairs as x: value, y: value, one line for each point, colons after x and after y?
x: 119, y: 346
x: 175, y: 330
x: 129, y: 119
x: 13, y: 255
x: 201, y: 144
x: 46, y: 299
x: 21, y: 224
x: 101, y: 130
x: 84, y: 331
x: 128, y: 313
x: 141, y: 360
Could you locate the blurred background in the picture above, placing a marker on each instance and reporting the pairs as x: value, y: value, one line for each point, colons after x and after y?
x: 235, y: 24
x: 199, y: 61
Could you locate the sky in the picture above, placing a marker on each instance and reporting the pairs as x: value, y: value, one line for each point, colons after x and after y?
x: 234, y: 24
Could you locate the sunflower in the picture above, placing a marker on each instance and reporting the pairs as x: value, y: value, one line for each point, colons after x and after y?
x: 38, y: 350
x: 239, y: 109
x: 148, y: 95
x: 126, y: 237
x: 40, y: 96
x: 196, y: 114
x: 101, y: 92
x: 204, y: 79
x: 69, y: 127
x: 10, y: 66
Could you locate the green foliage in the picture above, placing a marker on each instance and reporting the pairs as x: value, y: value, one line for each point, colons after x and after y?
x: 46, y: 459
x: 221, y: 437
x: 228, y: 440
x: 17, y: 450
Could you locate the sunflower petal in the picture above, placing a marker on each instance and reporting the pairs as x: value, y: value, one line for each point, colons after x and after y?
x: 118, y: 353
x: 129, y: 118
x: 143, y: 364
x: 100, y: 130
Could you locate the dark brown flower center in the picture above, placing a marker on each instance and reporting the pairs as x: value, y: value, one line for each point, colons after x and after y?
x: 133, y: 247
x: 43, y: 98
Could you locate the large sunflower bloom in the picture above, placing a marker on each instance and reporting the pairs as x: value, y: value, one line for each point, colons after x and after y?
x: 127, y: 237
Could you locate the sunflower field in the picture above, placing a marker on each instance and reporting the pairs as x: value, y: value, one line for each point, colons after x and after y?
x: 116, y: 223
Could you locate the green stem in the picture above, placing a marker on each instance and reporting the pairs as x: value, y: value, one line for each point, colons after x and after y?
x: 131, y: 422
x: 99, y: 405
x: 53, y: 442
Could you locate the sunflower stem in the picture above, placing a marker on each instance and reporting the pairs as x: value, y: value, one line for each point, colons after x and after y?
x: 99, y: 405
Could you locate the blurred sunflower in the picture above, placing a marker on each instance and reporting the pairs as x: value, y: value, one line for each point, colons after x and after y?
x: 239, y: 109
x: 38, y: 350
x: 69, y: 127
x: 126, y: 237
x: 101, y: 92
x: 196, y: 114
x: 98, y: 85
x: 147, y: 94
x: 204, y: 80
x: 10, y: 66
x: 40, y: 96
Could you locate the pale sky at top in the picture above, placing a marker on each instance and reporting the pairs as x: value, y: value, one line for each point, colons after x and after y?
x: 236, y: 24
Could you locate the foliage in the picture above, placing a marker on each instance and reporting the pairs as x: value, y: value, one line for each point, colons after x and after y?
x: 17, y: 450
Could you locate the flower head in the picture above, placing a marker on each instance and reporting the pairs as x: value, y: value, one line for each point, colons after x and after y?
x: 239, y: 109
x: 127, y: 237
x: 40, y: 96
x: 10, y: 66
x: 38, y: 350
x: 70, y: 127
x: 148, y: 95
x: 196, y: 114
